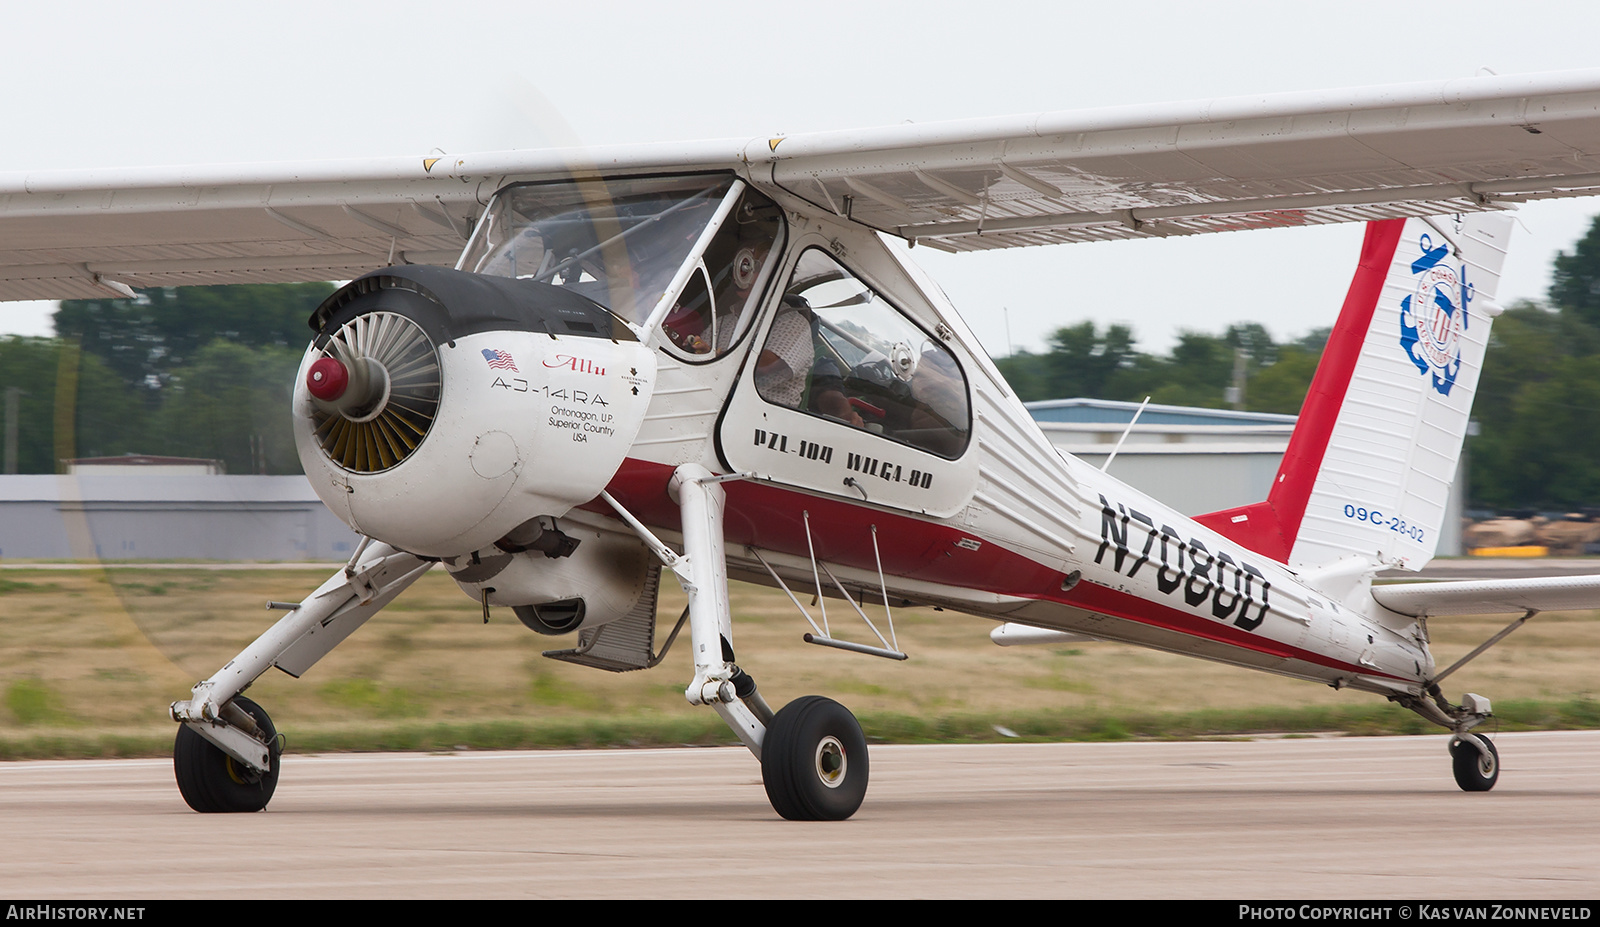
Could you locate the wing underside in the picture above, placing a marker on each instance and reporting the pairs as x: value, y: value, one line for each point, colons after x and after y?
x: 87, y: 234
x: 77, y: 255
x: 1129, y: 172
x: 1262, y: 162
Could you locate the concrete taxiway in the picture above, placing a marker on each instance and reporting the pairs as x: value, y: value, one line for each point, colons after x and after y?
x: 1277, y: 818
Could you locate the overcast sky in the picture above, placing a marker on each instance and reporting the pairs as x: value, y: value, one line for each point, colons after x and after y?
x: 99, y: 84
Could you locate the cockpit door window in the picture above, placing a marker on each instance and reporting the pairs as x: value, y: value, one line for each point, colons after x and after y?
x: 718, y: 303
x: 839, y: 351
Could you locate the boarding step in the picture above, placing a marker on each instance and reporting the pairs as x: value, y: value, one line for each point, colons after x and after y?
x: 622, y: 645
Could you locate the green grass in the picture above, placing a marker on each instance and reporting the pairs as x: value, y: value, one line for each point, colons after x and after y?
x: 31, y: 702
x: 89, y: 661
x: 367, y: 698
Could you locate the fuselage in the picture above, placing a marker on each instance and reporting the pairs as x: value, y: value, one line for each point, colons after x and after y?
x: 893, y: 451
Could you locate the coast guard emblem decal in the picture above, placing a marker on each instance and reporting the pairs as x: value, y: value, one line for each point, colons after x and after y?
x: 1434, y: 315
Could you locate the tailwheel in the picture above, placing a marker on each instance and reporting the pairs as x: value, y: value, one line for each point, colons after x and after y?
x: 213, y: 782
x: 814, y: 761
x: 1475, y: 771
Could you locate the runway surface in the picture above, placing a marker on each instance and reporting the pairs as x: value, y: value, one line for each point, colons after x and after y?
x: 1284, y: 818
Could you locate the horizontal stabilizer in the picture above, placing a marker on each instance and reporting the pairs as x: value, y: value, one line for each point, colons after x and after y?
x: 1491, y: 596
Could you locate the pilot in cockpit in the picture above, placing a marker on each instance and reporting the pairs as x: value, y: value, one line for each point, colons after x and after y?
x: 707, y: 323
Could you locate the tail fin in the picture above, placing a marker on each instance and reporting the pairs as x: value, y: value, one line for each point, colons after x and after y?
x: 1369, y: 467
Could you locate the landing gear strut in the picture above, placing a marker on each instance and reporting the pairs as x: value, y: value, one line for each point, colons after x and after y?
x: 813, y: 754
x: 226, y: 753
x: 1473, y: 758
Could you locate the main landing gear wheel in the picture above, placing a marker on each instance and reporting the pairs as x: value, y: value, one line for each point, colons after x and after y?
x: 1474, y: 771
x: 814, y: 761
x: 212, y: 781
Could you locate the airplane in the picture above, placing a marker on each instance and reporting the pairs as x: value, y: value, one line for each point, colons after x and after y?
x: 559, y: 374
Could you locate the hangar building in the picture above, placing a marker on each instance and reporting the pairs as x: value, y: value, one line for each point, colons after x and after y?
x: 123, y: 516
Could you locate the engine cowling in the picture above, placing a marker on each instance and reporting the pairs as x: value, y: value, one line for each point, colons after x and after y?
x: 438, y: 410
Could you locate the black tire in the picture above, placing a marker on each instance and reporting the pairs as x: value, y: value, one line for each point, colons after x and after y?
x: 213, y: 782
x: 814, y: 761
x: 1475, y: 772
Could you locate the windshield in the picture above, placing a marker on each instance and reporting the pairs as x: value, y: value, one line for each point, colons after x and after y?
x: 616, y: 242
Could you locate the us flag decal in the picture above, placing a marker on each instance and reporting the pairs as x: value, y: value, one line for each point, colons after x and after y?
x: 500, y: 360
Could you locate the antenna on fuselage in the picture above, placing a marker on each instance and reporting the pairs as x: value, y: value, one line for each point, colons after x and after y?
x: 1137, y: 412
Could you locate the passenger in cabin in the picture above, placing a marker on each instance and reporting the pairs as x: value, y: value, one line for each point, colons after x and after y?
x: 688, y: 325
x: 736, y: 263
x: 789, y: 373
x: 785, y: 360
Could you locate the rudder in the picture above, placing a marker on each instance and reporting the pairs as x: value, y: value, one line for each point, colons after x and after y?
x: 1369, y: 467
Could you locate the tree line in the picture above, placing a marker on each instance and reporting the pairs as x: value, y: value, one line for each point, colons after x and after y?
x: 208, y: 372
x: 1085, y: 362
x: 183, y: 372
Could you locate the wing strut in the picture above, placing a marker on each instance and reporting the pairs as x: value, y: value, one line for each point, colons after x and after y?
x: 1487, y: 644
x: 821, y: 635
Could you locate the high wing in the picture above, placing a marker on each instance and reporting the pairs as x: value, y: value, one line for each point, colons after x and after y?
x: 1219, y: 165
x: 88, y: 234
x: 1126, y: 172
x: 1491, y: 596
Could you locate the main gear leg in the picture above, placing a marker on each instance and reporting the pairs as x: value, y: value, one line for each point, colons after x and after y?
x: 703, y: 573
x: 244, y: 741
x: 813, y: 754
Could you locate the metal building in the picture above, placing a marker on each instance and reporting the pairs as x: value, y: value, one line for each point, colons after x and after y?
x: 167, y: 517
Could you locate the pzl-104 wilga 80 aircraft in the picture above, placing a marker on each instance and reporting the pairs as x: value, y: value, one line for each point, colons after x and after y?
x: 558, y: 372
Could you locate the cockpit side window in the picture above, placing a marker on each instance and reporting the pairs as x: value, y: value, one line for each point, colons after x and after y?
x: 719, y: 302
x: 838, y: 350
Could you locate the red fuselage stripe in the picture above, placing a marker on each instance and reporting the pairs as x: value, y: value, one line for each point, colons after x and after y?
x: 771, y: 517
